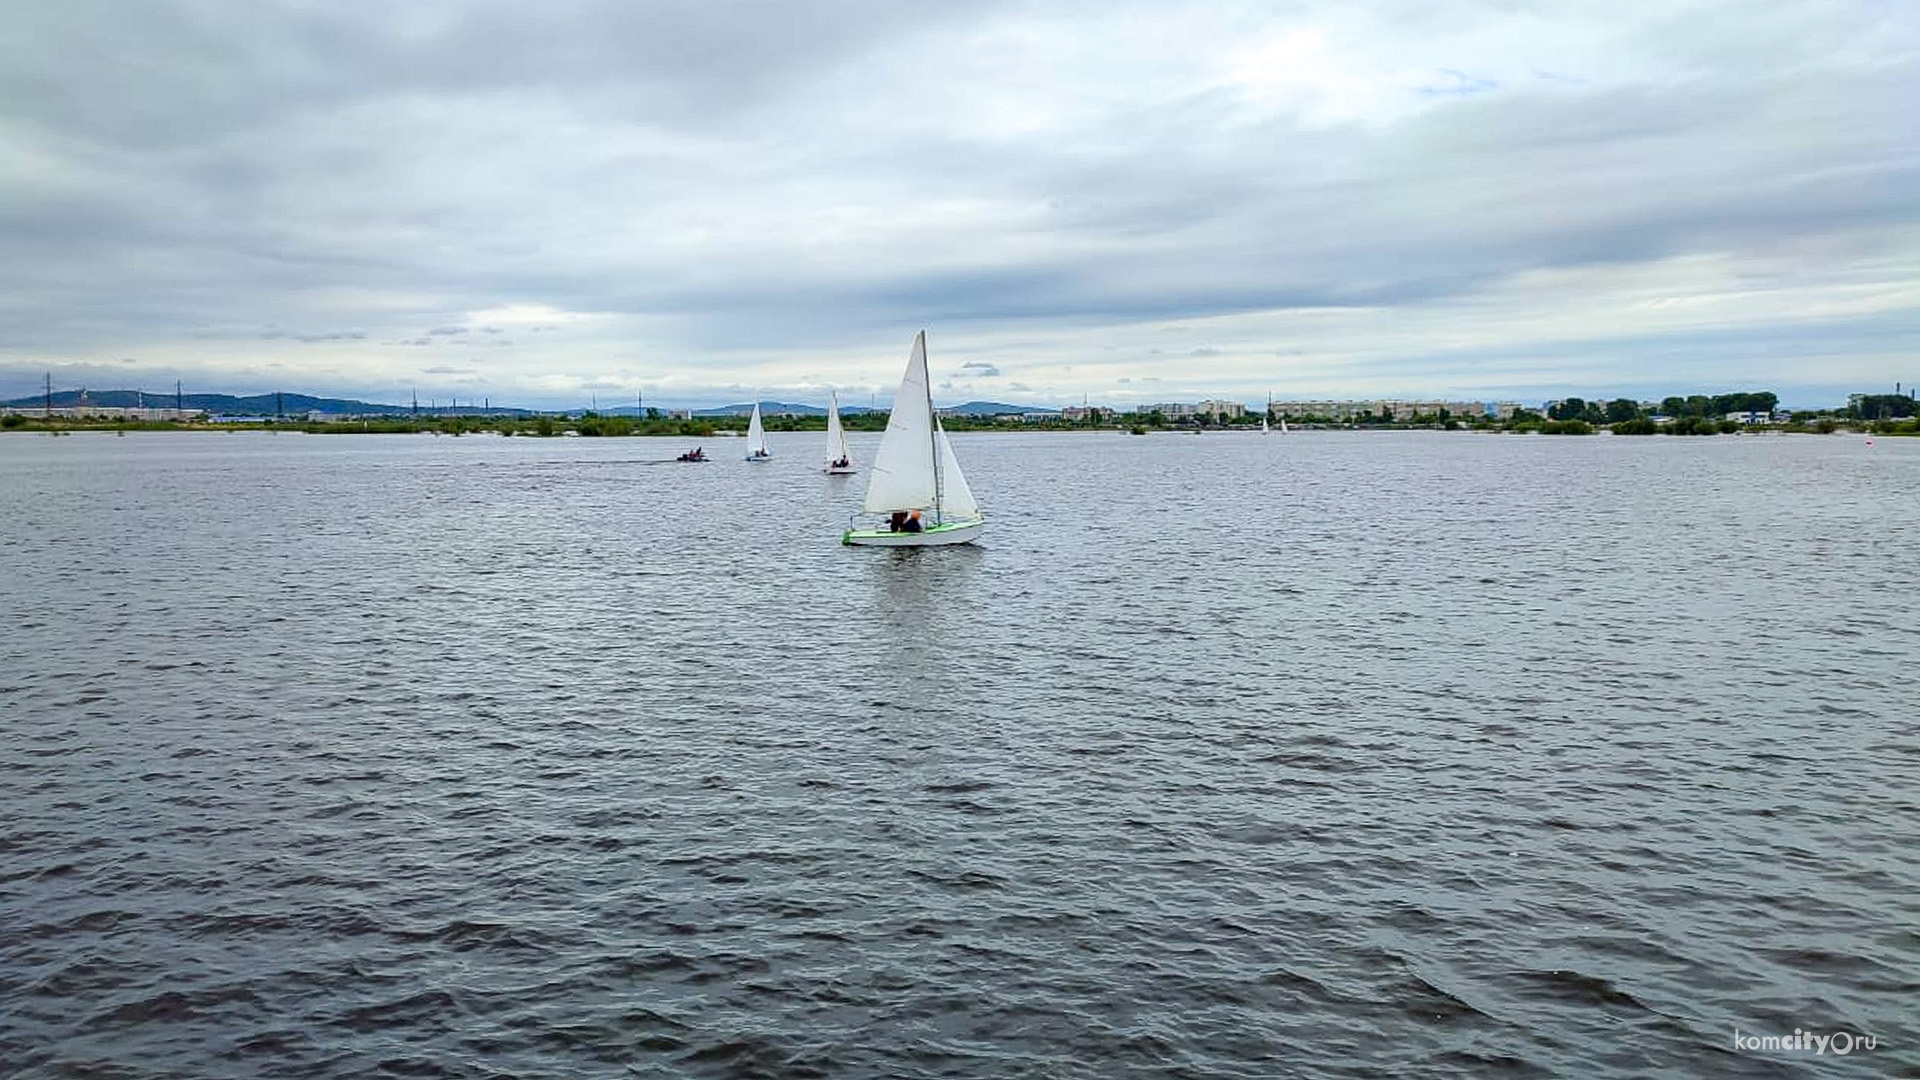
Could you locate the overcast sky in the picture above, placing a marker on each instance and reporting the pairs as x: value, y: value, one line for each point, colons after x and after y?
x: 543, y: 202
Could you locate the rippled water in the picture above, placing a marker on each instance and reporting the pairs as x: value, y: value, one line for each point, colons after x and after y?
x: 1229, y: 756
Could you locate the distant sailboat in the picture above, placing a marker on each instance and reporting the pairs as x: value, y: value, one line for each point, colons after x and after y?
x: 757, y: 437
x: 839, y: 461
x: 1283, y: 425
x: 1263, y: 426
x: 914, y: 472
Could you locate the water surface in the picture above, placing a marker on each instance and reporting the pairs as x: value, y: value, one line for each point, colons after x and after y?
x: 1327, y: 754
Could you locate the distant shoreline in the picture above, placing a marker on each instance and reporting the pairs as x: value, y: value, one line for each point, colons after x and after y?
x: 728, y: 427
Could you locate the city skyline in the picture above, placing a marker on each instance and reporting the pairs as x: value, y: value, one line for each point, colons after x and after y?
x: 1135, y: 203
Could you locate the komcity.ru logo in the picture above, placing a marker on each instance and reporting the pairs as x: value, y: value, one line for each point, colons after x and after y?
x: 1840, y: 1042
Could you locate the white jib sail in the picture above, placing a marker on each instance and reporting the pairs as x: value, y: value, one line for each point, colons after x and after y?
x: 756, y: 434
x: 956, y: 498
x: 836, y: 435
x: 901, y: 476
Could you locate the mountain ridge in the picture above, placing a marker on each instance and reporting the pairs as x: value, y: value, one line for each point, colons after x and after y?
x: 292, y: 404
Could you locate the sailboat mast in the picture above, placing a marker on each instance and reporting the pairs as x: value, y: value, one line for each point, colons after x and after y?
x: 933, y: 429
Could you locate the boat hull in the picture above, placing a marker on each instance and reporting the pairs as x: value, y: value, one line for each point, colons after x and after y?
x: 963, y: 532
x: 848, y: 471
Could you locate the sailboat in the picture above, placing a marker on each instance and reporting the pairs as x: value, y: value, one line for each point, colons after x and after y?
x: 839, y: 462
x: 1263, y: 426
x: 757, y: 437
x: 914, y: 472
x: 1283, y: 425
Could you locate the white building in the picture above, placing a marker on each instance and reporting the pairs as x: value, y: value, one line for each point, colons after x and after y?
x: 1224, y: 409
x: 111, y: 412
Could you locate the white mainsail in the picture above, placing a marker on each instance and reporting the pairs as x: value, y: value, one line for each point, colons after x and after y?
x: 902, y: 474
x: 836, y: 435
x: 756, y: 434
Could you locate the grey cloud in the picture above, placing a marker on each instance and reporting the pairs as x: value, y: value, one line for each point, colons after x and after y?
x: 445, y: 370
x: 276, y: 334
x: 980, y: 368
x: 1457, y: 83
x: 724, y: 180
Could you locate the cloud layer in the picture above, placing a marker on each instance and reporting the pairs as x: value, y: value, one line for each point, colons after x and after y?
x: 1133, y: 201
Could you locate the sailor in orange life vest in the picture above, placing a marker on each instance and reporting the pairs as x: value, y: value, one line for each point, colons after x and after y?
x: 913, y: 522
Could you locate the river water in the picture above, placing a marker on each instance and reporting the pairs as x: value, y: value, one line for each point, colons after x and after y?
x: 1324, y: 754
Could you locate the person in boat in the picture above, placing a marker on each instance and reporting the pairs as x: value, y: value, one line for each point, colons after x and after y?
x: 913, y: 522
x: 897, y: 521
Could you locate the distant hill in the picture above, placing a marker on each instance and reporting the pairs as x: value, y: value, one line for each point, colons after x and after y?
x: 779, y: 408
x: 995, y: 408
x: 776, y: 408
x: 256, y: 405
x: 301, y: 404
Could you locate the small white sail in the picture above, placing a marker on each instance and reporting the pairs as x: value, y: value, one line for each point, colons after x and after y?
x: 1263, y: 426
x: 756, y: 436
x: 836, y: 436
x: 902, y: 474
x: 956, y: 498
x: 1283, y: 425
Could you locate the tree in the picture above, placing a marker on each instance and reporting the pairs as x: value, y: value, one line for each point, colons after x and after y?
x: 1572, y: 408
x: 1621, y: 410
x: 1883, y: 407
